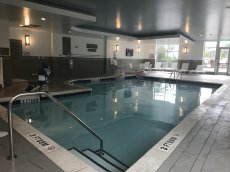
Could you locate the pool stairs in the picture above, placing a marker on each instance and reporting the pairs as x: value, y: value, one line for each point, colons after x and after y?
x: 106, y: 162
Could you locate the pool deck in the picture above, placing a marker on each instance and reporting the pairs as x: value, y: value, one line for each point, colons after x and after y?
x: 55, y: 88
x: 204, y: 148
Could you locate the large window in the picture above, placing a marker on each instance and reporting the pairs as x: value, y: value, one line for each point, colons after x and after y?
x: 224, y: 44
x: 209, y: 56
x: 167, y: 50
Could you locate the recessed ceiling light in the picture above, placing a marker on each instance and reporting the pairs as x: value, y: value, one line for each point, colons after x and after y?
x: 201, y: 35
x: 185, y: 41
x: 21, y: 25
x: 43, y: 19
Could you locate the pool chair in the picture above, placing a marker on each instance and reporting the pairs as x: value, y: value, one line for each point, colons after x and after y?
x: 174, y: 66
x: 184, y: 69
x: 130, y: 68
x: 164, y: 65
x: 199, y: 69
x: 175, y: 73
x: 145, y: 65
x: 158, y: 65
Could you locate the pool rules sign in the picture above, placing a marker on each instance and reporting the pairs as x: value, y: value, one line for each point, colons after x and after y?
x: 42, y: 142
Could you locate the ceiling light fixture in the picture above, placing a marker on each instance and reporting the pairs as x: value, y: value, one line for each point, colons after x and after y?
x: 185, y: 41
x: 21, y: 25
x: 43, y: 19
x: 201, y: 35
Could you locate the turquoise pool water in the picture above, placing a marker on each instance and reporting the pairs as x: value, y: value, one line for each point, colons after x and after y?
x: 131, y: 116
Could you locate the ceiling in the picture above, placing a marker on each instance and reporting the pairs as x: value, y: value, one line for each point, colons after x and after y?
x: 148, y: 18
x: 25, y: 13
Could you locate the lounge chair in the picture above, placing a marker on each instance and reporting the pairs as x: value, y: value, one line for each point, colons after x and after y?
x: 158, y: 65
x: 183, y: 69
x: 145, y: 65
x: 199, y: 69
x: 174, y: 65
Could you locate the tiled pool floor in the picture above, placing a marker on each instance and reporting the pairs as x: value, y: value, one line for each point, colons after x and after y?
x: 205, y: 149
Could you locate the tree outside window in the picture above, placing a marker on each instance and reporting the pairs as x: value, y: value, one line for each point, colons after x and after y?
x: 167, y: 50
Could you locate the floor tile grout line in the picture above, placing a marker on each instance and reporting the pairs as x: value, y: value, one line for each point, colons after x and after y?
x: 213, y: 142
x: 35, y: 164
x: 207, y: 140
x: 205, y: 118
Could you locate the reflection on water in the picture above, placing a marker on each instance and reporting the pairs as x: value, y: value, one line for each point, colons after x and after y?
x: 131, y: 116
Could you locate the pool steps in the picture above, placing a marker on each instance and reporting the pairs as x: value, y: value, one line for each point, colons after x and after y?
x: 107, y: 162
x: 114, y: 160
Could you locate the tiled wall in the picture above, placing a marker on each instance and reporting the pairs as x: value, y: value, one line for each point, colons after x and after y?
x: 24, y: 67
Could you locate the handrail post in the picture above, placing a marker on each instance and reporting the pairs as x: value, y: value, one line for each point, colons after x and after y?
x: 12, y: 156
x: 101, y: 148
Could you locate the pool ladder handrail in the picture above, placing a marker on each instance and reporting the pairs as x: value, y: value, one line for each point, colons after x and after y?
x: 10, y: 123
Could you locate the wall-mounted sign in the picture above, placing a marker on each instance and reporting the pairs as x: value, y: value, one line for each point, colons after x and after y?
x: 91, y: 47
x: 42, y: 142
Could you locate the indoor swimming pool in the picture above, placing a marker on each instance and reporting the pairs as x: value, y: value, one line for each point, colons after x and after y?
x: 131, y: 115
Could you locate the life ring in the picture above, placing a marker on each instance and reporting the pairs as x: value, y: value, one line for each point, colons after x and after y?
x: 111, y: 62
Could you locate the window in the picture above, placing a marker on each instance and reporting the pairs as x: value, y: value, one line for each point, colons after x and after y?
x: 224, y: 43
x: 167, y: 50
x: 209, y: 55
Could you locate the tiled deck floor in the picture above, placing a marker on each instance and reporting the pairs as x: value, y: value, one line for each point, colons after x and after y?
x: 19, y: 87
x: 205, y: 149
x: 30, y: 159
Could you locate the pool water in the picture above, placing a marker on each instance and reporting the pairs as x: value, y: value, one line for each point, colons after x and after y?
x: 131, y: 115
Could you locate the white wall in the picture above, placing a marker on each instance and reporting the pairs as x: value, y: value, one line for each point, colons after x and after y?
x: 40, y: 41
x: 4, y: 34
x: 146, y: 48
x: 195, y: 49
x: 44, y: 43
x: 78, y: 46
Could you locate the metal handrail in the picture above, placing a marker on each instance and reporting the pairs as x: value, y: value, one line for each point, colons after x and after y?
x: 10, y: 123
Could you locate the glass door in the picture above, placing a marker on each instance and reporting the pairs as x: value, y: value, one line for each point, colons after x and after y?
x: 223, y: 61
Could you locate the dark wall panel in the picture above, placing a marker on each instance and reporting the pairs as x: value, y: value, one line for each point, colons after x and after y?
x: 66, y: 45
x: 60, y: 70
x: 82, y: 67
x: 7, y: 71
x: 192, y: 63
